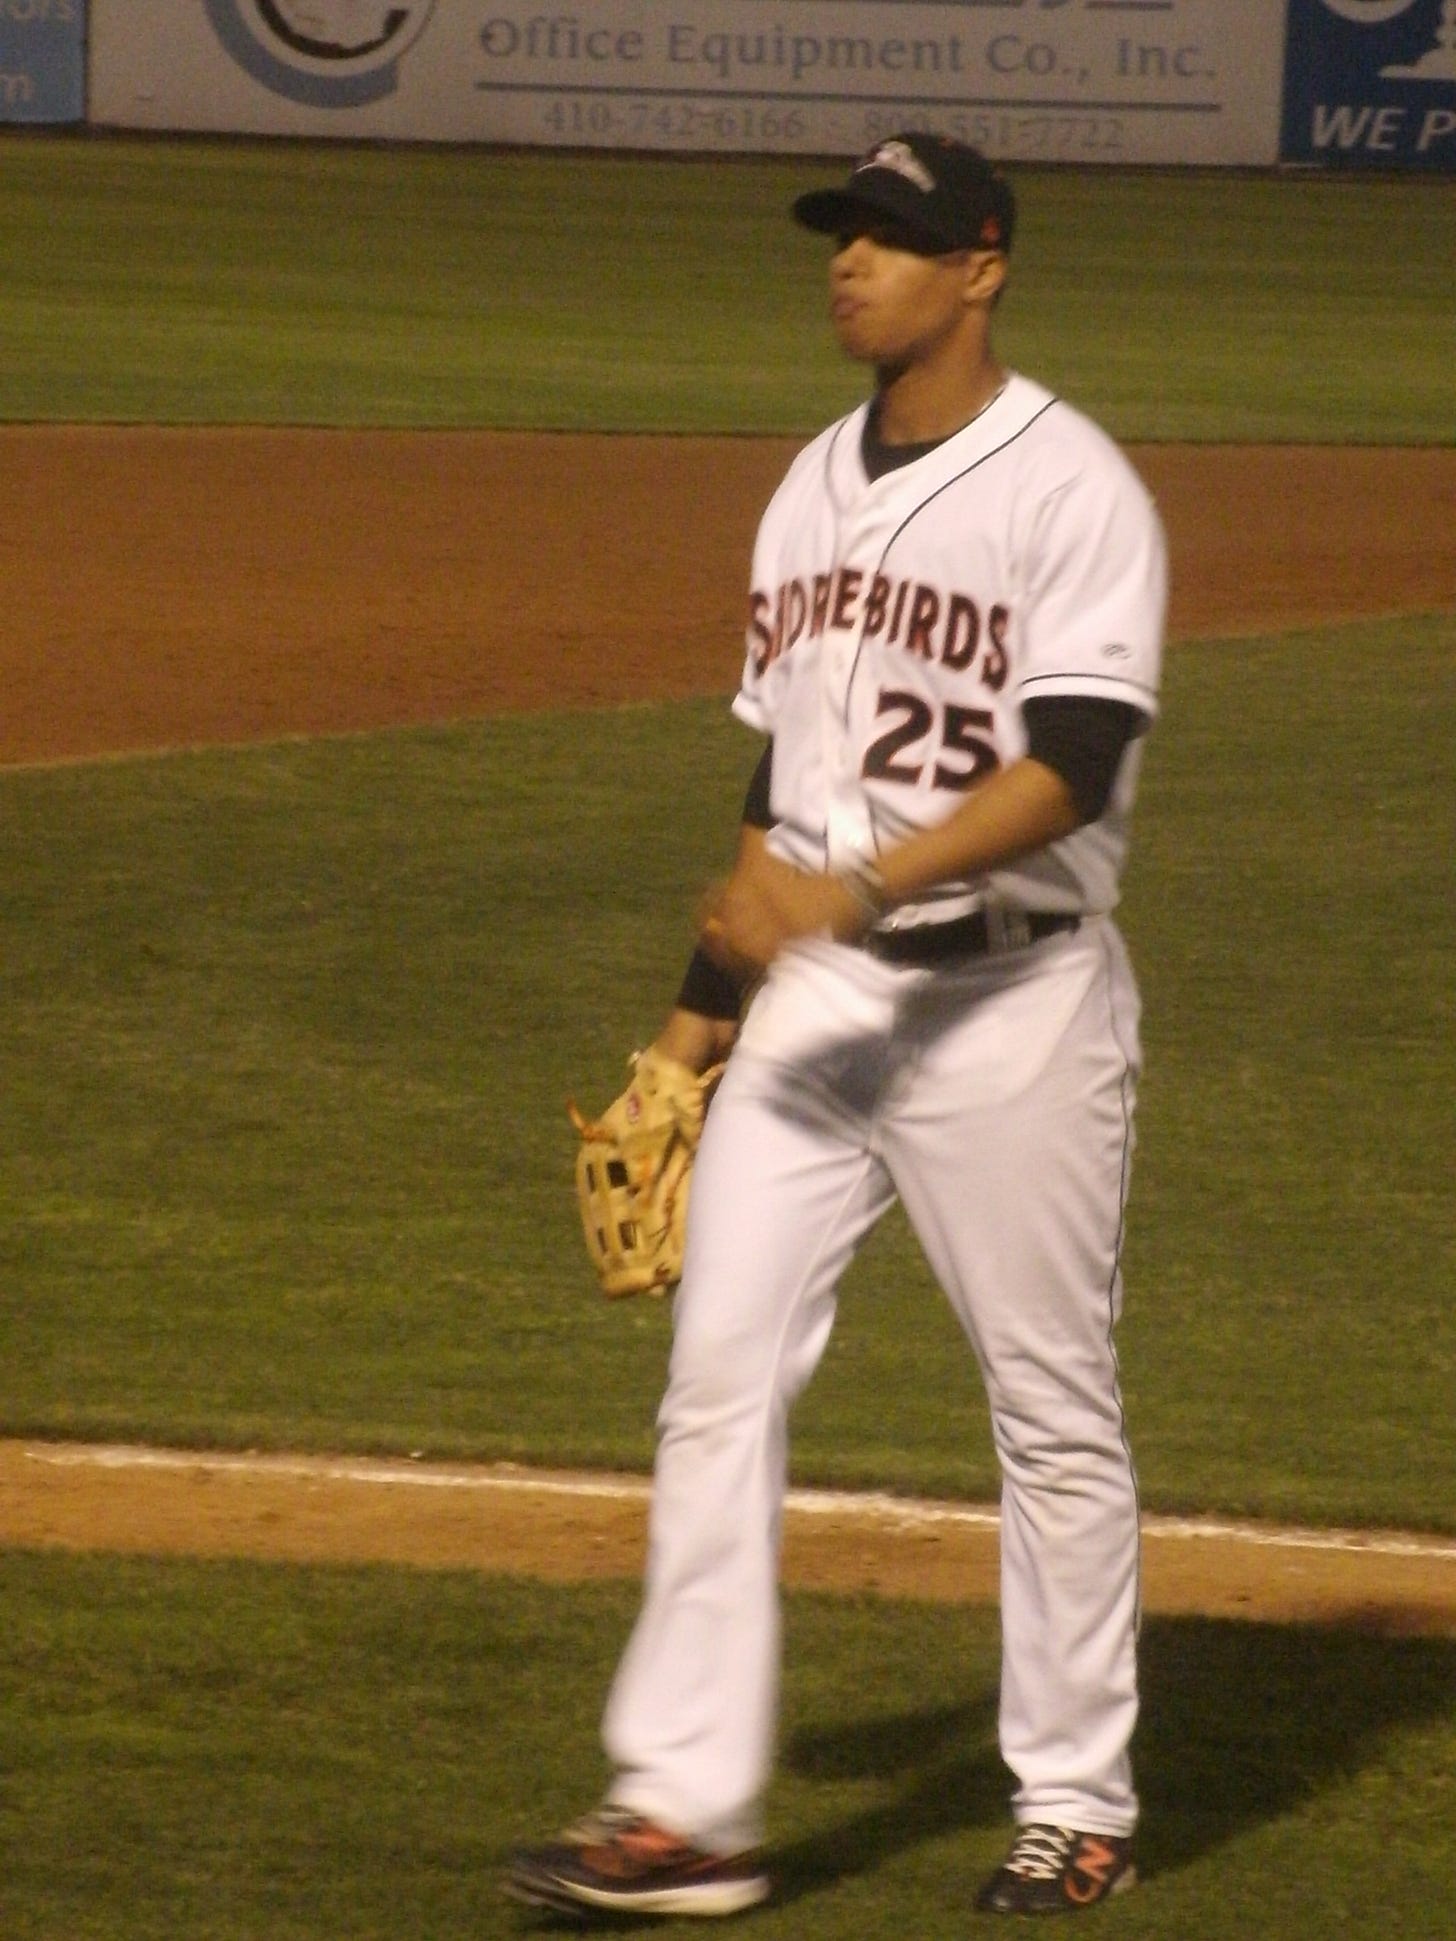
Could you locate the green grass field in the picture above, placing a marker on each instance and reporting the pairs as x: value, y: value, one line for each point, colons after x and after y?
x: 233, y: 1752
x: 205, y: 281
x: 288, y: 1033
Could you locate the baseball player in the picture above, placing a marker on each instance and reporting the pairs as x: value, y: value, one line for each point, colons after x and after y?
x: 953, y: 644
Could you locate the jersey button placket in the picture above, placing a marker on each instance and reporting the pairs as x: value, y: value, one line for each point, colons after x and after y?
x: 850, y: 830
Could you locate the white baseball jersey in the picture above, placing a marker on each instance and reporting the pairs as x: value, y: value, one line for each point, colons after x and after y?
x: 897, y: 625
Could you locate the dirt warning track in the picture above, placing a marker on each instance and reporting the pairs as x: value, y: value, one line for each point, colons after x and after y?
x: 576, y: 1527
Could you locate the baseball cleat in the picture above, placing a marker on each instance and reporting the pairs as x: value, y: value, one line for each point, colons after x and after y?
x: 616, y: 1862
x: 1054, y: 1870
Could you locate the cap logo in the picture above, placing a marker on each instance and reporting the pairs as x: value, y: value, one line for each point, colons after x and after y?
x: 903, y: 160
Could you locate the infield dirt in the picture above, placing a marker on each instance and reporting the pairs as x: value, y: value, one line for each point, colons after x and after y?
x: 169, y: 588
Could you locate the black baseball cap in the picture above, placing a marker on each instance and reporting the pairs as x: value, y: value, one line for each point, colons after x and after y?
x: 943, y: 191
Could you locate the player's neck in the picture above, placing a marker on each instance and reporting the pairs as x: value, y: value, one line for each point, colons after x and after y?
x: 919, y: 403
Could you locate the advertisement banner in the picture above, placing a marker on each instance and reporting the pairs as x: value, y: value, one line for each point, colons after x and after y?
x: 1371, y: 84
x: 1142, y: 81
x: 42, y: 60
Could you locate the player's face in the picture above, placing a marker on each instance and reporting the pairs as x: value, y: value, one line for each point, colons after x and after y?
x: 892, y: 305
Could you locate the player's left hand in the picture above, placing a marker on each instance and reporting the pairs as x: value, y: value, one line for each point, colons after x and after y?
x: 763, y: 908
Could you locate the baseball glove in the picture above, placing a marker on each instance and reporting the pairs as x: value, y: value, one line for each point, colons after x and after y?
x: 632, y: 1173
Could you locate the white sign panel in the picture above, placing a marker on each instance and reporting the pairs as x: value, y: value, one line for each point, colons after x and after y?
x: 1161, y: 81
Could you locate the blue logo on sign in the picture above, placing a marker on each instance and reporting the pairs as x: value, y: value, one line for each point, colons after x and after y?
x: 1371, y: 83
x: 324, y: 53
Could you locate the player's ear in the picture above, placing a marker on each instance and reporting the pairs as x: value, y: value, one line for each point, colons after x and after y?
x: 985, y: 274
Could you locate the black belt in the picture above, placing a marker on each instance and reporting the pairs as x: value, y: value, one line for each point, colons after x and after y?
x: 976, y: 935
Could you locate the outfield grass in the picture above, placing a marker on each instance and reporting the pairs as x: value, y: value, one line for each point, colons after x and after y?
x: 284, y: 1156
x: 230, y: 1751
x: 208, y: 281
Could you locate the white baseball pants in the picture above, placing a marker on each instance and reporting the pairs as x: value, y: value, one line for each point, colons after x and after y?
x: 996, y: 1099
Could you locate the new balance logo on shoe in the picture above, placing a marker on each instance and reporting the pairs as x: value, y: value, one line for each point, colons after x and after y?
x: 1057, y: 1870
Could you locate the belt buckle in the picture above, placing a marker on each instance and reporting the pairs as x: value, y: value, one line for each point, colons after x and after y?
x: 1006, y: 929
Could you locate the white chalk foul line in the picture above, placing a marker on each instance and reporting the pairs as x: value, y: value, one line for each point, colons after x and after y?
x: 869, y: 1508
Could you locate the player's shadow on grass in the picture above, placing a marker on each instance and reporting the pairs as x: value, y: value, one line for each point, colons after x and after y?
x: 1245, y: 1722
x: 1241, y: 1724
x: 942, y: 1771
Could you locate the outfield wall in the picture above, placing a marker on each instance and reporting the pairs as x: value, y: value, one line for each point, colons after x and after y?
x: 1044, y: 79
x: 1324, y: 83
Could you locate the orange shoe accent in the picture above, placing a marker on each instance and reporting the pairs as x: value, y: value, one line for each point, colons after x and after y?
x: 1095, y: 1862
x: 636, y: 1849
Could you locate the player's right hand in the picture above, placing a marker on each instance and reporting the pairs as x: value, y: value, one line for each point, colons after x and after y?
x: 768, y: 905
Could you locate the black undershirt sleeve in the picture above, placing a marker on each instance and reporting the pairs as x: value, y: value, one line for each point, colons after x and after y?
x: 1082, y: 739
x: 708, y: 991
